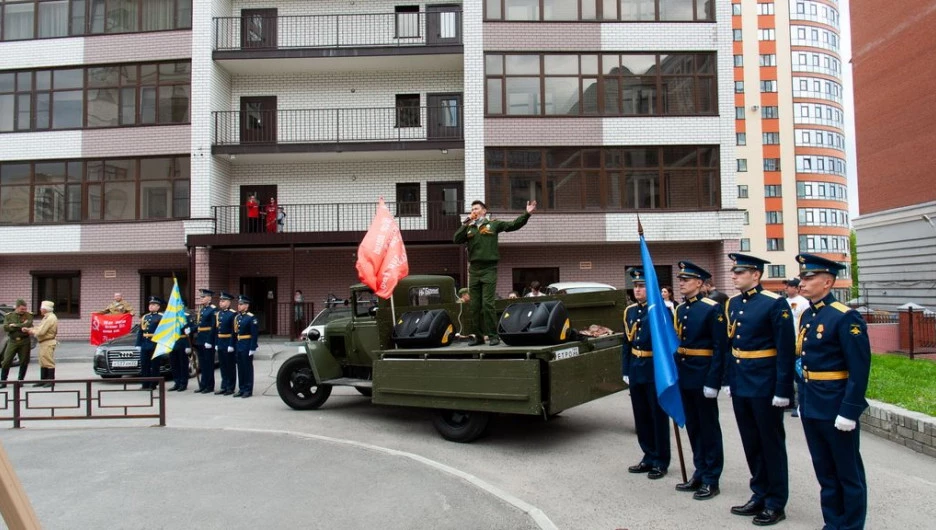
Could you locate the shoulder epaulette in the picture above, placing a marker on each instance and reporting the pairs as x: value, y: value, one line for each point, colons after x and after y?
x: 734, y: 296
x: 212, y: 306
x: 708, y: 301
x: 249, y: 314
x: 841, y: 307
x: 770, y: 294
x: 160, y: 314
x: 680, y: 305
x: 630, y: 306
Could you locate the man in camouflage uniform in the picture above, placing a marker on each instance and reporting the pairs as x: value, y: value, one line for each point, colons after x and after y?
x: 118, y: 307
x: 480, y: 234
x: 19, y: 343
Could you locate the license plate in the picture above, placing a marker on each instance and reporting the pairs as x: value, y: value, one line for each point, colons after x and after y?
x: 566, y: 353
x: 125, y: 364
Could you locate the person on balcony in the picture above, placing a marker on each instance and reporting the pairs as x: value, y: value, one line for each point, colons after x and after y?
x: 253, y: 213
x: 271, y: 212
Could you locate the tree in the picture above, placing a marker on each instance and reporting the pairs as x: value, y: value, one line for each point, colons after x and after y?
x: 853, y: 249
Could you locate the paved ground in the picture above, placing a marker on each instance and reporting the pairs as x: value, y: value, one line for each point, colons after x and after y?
x: 232, y: 463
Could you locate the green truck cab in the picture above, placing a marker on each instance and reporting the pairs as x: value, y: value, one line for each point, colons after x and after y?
x: 463, y: 385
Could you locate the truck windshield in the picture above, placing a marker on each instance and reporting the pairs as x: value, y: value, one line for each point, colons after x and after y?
x: 363, y: 302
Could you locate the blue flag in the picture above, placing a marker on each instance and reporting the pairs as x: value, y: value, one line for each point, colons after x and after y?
x: 665, y: 342
x: 173, y: 321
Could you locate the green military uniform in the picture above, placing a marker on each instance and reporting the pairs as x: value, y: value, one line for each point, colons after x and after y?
x: 19, y: 343
x: 118, y: 308
x: 483, y: 255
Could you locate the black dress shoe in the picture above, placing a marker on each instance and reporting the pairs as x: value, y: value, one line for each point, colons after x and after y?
x: 198, y: 391
x: 706, y: 492
x: 656, y: 473
x: 642, y: 467
x: 219, y: 392
x: 692, y: 485
x: 207, y: 391
x: 247, y: 395
x: 238, y: 394
x: 228, y: 392
x: 751, y: 508
x: 769, y: 517
x: 174, y: 388
x: 494, y: 341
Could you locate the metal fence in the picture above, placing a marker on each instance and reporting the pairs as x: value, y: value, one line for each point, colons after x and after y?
x: 83, y: 399
x: 258, y: 32
x: 340, y: 217
x: 326, y: 126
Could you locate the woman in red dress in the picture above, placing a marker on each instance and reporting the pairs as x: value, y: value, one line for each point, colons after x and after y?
x: 271, y: 210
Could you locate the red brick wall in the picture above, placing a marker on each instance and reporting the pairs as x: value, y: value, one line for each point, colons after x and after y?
x: 895, y: 106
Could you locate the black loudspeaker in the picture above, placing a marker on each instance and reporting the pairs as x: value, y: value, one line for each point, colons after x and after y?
x: 423, y: 329
x: 534, y: 324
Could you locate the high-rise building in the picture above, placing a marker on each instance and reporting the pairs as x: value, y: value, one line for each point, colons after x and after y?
x: 596, y: 109
x: 895, y: 109
x: 790, y: 133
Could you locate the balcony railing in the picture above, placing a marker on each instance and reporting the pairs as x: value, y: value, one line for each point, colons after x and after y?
x: 342, y: 217
x: 257, y: 32
x: 315, y: 126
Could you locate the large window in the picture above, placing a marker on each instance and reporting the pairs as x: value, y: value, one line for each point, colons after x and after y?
x: 43, y: 19
x: 603, y: 178
x: 159, y: 283
x: 96, y: 96
x: 407, y: 196
x: 605, y: 84
x: 71, y: 191
x: 600, y: 10
x: 61, y: 287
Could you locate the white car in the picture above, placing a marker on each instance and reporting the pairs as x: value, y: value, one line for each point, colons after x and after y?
x: 578, y: 287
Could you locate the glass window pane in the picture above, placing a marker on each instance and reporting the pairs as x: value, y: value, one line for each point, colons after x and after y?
x: 48, y: 172
x: 590, y: 91
x: 682, y: 189
x: 156, y: 168
x: 678, y: 95
x: 561, y: 95
x: 676, y: 10
x: 14, y: 204
x: 119, y: 200
x: 23, y: 107
x: 564, y: 190
x: 155, y: 199
x: 73, y: 203
x: 7, y: 112
x: 158, y: 15
x: 106, y: 76
x: 642, y: 189
x: 7, y: 82
x: 591, y: 184
x: 174, y: 104
x: 148, y: 105
x: 563, y: 157
x: 43, y: 80
x: 609, y: 9
x: 494, y: 64
x: 642, y: 157
x: 180, y: 198
x: 589, y: 64
x: 612, y: 96
x: 103, y: 107
x: 184, y: 18
x: 560, y: 64
x: 639, y: 95
x: 175, y: 72
x: 97, y: 16
x: 638, y: 10
x: 42, y: 111
x: 122, y: 16
x: 679, y: 156
x: 560, y: 10
x: 78, y: 17
x: 53, y: 18
x: 495, y: 104
x: 492, y: 9
x: 636, y: 64
x: 525, y: 187
x: 148, y: 74
x: 24, y: 81
x: 18, y: 21
x: 73, y: 78
x: 521, y: 9
x: 49, y: 203
x: 14, y: 174
x: 68, y: 109
x: 523, y: 96
x: 522, y: 64
x: 127, y: 106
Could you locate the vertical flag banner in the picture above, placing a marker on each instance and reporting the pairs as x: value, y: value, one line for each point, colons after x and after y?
x: 381, y: 256
x: 665, y: 341
x: 172, y: 323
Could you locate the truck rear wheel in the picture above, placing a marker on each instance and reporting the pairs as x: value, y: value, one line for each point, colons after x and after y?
x: 297, y: 387
x: 460, y: 425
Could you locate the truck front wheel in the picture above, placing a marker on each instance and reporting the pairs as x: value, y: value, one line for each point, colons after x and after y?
x: 297, y: 386
x: 460, y: 425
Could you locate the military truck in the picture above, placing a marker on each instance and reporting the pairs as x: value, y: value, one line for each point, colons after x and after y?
x: 462, y: 385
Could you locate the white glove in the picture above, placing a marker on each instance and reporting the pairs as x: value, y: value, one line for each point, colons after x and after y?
x: 726, y: 390
x: 845, y: 424
x: 186, y: 331
x: 626, y: 380
x: 251, y: 352
x: 709, y: 392
x: 230, y: 349
x: 780, y: 402
x: 188, y: 350
x: 208, y: 346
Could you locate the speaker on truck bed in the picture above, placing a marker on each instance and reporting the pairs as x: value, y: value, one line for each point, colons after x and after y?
x: 423, y: 329
x: 534, y: 324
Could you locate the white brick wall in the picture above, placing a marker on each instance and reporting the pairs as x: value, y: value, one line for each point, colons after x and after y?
x: 473, y: 40
x: 151, y: 236
x: 40, y: 145
x: 43, y: 53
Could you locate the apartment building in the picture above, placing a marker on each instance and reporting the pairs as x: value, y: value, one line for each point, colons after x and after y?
x: 894, y: 117
x: 596, y: 109
x: 790, y: 133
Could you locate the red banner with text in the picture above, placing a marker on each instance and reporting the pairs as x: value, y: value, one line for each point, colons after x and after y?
x: 107, y: 327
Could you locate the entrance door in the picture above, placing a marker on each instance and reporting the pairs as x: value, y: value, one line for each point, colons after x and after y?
x: 262, y: 293
x: 443, y: 24
x: 263, y: 194
x: 445, y: 116
x: 258, y: 120
x: 445, y: 204
x: 258, y: 28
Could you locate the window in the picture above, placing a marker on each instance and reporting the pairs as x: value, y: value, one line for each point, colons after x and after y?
x: 771, y: 164
x: 776, y: 271
x: 735, y: 9
x: 603, y: 178
x: 407, y: 109
x: 606, y: 85
x: 739, y: 87
x: 61, y: 287
x: 70, y: 191
x: 42, y: 19
x: 768, y: 60
x: 768, y: 86
x: 741, y: 138
x: 739, y: 60
x: 747, y: 217
x: 742, y: 191
x: 159, y: 282
x: 768, y: 113
x: 775, y: 218
x: 801, y: 8
x: 736, y: 35
x: 771, y: 138
x: 407, y: 22
x: 739, y: 113
x: 745, y: 244
x: 599, y: 10
x: 407, y: 196
x: 742, y: 165
x: 765, y: 8
x: 766, y: 34
x: 773, y: 190
x: 774, y: 244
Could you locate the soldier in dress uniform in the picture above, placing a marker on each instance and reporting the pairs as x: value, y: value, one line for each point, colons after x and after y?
x: 149, y: 367
x: 834, y: 362
x: 206, y: 334
x: 650, y: 421
x: 14, y: 324
x: 760, y: 378
x: 224, y: 333
x: 245, y: 334
x: 703, y: 348
x: 179, y: 356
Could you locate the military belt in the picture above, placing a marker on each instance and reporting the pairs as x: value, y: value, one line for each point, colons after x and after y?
x: 695, y: 352
x: 224, y: 335
x: 641, y: 353
x: 147, y: 335
x: 825, y: 376
x: 244, y: 337
x: 754, y: 354
x: 205, y: 329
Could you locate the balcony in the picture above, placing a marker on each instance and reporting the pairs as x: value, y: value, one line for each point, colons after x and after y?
x: 400, y: 129
x: 351, y: 42
x: 330, y: 224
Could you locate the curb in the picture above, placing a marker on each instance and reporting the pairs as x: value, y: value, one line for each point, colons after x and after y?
x: 913, y: 430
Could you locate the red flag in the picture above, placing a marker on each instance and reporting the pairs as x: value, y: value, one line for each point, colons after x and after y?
x: 107, y: 327
x: 381, y: 260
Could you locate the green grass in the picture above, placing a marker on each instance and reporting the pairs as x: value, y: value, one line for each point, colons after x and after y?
x: 899, y: 381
